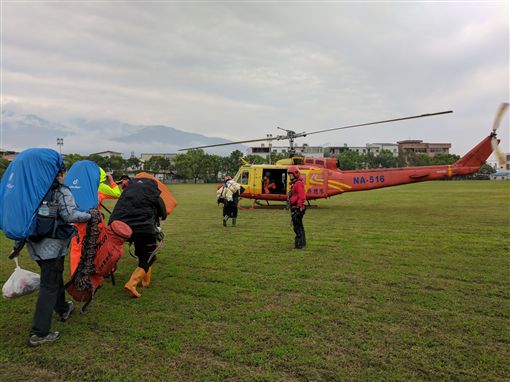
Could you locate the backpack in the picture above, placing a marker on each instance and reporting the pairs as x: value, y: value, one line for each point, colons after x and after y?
x: 23, y: 186
x: 109, y: 250
x: 166, y: 195
x: 110, y: 247
x: 83, y: 181
x: 47, y: 222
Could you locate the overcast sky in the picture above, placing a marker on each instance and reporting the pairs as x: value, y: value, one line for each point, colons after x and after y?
x: 239, y: 69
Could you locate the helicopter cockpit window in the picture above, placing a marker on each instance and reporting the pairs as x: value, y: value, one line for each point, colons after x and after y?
x: 274, y: 181
x: 243, y: 179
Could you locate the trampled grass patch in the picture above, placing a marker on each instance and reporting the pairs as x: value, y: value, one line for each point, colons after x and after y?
x: 404, y: 283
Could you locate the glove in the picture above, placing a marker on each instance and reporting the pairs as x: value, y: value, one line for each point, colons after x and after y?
x: 16, y: 249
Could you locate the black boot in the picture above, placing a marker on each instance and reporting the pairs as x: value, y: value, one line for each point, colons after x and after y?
x: 225, y: 218
x: 234, y: 222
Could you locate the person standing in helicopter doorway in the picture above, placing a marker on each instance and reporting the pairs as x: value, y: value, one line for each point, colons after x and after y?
x: 297, y: 199
x: 228, y: 194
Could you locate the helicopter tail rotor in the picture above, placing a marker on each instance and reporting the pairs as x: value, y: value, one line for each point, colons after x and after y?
x: 503, y: 108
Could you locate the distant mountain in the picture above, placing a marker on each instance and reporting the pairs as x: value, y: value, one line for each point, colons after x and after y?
x: 20, y: 131
x: 110, y: 127
x: 171, y: 140
x: 85, y: 136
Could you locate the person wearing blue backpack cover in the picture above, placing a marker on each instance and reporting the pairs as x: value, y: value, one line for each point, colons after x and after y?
x: 37, y: 210
x: 50, y: 252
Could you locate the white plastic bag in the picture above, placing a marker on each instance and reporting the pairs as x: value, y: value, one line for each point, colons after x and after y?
x: 21, y: 282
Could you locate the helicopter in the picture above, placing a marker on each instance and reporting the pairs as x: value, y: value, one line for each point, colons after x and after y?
x: 322, y: 178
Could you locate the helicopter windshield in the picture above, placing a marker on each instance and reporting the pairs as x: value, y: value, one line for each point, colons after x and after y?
x: 242, y: 177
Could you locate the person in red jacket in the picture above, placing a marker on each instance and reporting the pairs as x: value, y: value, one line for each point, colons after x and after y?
x: 297, y: 199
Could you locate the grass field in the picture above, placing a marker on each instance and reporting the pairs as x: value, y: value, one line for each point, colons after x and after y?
x: 397, y: 284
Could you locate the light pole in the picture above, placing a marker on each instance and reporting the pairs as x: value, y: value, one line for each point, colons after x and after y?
x: 60, y: 143
x: 269, y: 136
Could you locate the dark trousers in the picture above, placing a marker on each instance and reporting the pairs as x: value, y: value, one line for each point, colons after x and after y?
x: 297, y: 223
x: 230, y: 210
x: 145, y: 244
x: 51, y: 295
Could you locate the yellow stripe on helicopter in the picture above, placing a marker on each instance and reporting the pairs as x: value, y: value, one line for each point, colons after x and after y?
x: 336, y: 183
x: 316, y: 181
x: 336, y: 187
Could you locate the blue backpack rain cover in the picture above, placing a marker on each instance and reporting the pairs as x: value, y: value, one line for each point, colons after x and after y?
x: 83, y: 181
x: 22, y: 189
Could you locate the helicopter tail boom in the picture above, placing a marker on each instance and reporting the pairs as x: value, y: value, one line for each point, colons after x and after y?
x: 361, y: 180
x: 477, y: 156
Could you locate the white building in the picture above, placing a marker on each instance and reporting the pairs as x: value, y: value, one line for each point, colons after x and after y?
x: 502, y: 170
x: 505, y: 166
x: 312, y: 151
x: 358, y: 149
x: 320, y: 151
x: 108, y: 154
x: 147, y: 156
x: 264, y: 149
x: 336, y: 150
x: 376, y: 148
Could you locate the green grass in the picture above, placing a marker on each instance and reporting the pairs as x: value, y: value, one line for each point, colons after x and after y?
x: 405, y: 283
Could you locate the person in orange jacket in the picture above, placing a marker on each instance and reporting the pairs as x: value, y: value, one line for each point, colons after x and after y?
x: 108, y: 189
x: 269, y: 185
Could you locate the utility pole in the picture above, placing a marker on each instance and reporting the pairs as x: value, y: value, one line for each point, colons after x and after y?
x: 60, y: 143
x: 270, y: 136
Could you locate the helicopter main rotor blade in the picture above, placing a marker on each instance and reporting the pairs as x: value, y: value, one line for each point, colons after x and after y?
x: 374, y: 123
x: 235, y: 143
x: 304, y: 134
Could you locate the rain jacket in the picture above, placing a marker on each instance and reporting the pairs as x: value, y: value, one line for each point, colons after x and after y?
x: 49, y: 248
x: 106, y: 189
x: 140, y: 207
x: 297, y: 195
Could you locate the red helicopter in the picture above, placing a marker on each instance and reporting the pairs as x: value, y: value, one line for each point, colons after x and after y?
x: 323, y: 179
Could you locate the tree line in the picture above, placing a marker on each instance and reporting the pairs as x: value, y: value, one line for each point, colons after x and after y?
x: 194, y: 165
x: 198, y: 166
x: 353, y: 160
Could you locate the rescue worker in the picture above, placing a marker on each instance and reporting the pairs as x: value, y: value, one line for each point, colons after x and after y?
x: 297, y: 199
x: 107, y: 189
x: 228, y: 194
x: 269, y: 185
x: 49, y: 253
x: 141, y: 207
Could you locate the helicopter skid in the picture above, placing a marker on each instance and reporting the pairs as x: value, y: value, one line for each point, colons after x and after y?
x: 257, y: 204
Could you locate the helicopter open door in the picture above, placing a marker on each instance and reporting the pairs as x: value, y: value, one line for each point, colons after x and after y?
x: 274, y: 181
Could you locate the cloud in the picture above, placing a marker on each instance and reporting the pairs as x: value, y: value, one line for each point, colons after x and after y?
x: 238, y: 70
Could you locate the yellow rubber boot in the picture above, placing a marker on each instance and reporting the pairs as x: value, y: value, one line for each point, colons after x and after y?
x: 146, y: 281
x: 136, y: 277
